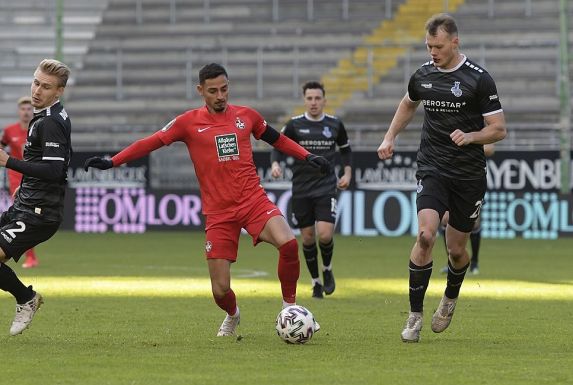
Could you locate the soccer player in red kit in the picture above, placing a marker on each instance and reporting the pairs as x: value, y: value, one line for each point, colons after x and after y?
x: 218, y: 138
x: 14, y: 137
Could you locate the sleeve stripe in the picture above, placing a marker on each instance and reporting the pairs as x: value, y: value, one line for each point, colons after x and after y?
x: 344, y: 145
x: 492, y: 113
x: 52, y: 158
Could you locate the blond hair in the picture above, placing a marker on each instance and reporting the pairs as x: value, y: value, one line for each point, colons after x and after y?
x: 24, y: 100
x: 55, y: 68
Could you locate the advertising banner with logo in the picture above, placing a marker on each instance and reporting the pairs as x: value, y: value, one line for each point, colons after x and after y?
x: 523, y: 198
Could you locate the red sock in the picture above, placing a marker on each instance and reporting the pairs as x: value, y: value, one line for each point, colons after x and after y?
x: 31, y: 254
x: 228, y: 302
x: 289, y: 270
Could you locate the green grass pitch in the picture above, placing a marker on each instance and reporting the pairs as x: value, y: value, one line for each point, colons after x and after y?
x: 137, y: 309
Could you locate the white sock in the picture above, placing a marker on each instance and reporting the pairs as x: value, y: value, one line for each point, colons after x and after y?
x: 325, y: 268
x: 236, y: 313
x: 286, y: 304
x: 315, y: 281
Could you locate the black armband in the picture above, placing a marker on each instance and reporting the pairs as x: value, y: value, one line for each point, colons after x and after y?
x: 270, y: 135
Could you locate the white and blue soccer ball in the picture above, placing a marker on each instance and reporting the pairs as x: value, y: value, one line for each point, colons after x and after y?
x: 296, y: 325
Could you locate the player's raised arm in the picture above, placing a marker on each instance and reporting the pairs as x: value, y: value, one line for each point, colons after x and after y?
x: 134, y: 151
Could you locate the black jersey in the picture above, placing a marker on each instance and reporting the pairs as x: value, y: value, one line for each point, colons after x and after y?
x: 320, y: 138
x: 453, y: 99
x: 48, y: 141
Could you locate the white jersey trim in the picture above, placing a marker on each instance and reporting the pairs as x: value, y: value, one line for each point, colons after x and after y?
x: 492, y: 113
x: 52, y: 158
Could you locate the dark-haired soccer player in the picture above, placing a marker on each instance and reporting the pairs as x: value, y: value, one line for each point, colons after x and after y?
x: 218, y: 138
x: 14, y: 137
x: 39, y: 203
x: 462, y: 113
x: 314, y: 195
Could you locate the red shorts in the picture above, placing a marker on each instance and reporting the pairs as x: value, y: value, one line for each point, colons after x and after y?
x: 223, y: 230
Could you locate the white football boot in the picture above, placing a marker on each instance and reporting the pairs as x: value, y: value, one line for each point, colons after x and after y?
x: 443, y: 315
x: 24, y: 314
x: 229, y: 325
x: 411, y: 332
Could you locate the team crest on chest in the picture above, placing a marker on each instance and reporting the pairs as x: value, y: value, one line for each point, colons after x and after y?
x: 456, y: 90
x: 326, y: 132
x: 239, y: 123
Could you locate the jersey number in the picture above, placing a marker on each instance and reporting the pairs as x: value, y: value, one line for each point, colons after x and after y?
x: 20, y: 229
x: 477, y: 210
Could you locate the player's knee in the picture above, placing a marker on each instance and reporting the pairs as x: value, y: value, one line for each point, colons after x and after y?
x: 426, y: 239
x: 220, y: 291
x: 289, y: 250
x: 456, y: 254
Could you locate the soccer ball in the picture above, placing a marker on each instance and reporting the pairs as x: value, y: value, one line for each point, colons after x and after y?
x: 295, y: 325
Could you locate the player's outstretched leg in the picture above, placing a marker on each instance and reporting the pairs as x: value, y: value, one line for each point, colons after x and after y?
x: 24, y: 314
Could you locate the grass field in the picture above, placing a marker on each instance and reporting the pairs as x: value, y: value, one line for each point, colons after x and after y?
x: 137, y: 309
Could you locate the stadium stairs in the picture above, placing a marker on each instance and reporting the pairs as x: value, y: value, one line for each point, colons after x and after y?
x: 27, y: 31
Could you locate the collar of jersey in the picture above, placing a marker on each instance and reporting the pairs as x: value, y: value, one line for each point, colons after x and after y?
x: 464, y: 58
x: 46, y: 108
x: 307, y: 116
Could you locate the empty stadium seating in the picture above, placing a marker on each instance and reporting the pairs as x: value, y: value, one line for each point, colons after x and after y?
x: 135, y: 62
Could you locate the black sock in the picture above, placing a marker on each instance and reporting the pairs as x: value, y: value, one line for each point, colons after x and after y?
x: 455, y: 280
x: 326, y: 252
x: 310, y: 253
x: 475, y: 238
x: 419, y: 279
x: 9, y: 282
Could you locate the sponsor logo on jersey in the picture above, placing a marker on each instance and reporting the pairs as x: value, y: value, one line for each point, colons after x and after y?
x: 203, y: 129
x: 456, y: 90
x: 227, y: 147
x: 326, y: 132
x: 427, y: 85
x: 53, y: 144
x: 239, y: 123
x: 493, y: 97
x: 64, y: 114
x: 168, y: 126
x: 304, y: 131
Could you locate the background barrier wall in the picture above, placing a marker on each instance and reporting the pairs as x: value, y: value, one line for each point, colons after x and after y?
x: 523, y: 198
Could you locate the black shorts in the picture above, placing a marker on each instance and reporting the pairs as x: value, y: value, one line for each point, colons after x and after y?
x: 17, y: 235
x: 462, y: 198
x: 307, y: 211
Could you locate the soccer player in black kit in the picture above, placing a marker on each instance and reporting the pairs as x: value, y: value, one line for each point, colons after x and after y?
x: 462, y: 113
x: 313, y: 194
x: 39, y: 202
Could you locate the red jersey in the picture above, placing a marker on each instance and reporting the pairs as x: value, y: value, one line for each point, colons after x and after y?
x: 15, y: 138
x: 220, y: 147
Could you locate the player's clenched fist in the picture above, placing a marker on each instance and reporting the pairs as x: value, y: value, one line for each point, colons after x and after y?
x: 319, y: 162
x: 98, y: 162
x: 386, y: 149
